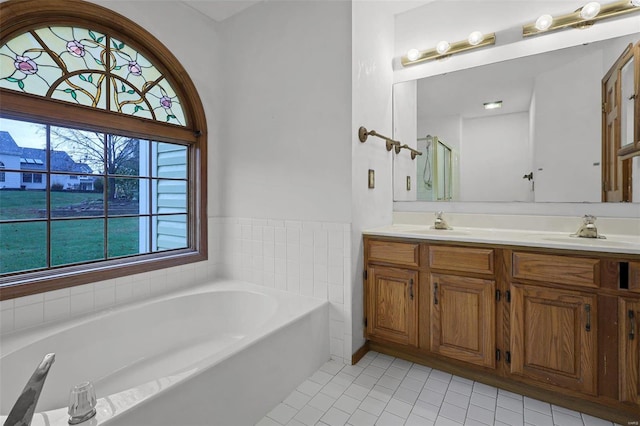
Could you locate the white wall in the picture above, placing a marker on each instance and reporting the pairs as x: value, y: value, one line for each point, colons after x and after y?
x: 286, y: 112
x: 405, y: 128
x: 372, y: 77
x: 492, y: 162
x: 567, y: 147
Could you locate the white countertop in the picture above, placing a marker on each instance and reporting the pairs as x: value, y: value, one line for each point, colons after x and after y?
x: 612, y: 243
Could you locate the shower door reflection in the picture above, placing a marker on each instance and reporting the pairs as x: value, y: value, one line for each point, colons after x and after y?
x: 435, y: 170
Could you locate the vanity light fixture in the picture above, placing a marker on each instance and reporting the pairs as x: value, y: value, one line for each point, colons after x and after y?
x: 475, y: 38
x: 492, y: 105
x: 581, y: 18
x: 443, y: 49
x: 590, y: 10
x: 544, y: 22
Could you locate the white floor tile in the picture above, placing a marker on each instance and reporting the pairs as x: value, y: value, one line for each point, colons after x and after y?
x: 381, y: 393
x: 297, y: 399
x: 415, y: 420
x: 347, y: 404
x: 309, y: 415
x: 388, y: 419
x: 399, y: 408
x: 480, y: 414
x: 407, y: 395
x: 536, y: 418
x: 309, y: 388
x: 372, y: 406
x: 452, y: 412
x: 362, y: 418
x: 335, y: 417
x: 426, y: 410
x: 282, y: 413
x: 386, y: 391
x: 322, y: 401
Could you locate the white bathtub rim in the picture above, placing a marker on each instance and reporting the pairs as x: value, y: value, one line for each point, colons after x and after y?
x: 17, y: 339
x: 14, y: 341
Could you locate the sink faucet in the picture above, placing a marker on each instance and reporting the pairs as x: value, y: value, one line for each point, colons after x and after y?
x: 588, y: 228
x: 440, y: 223
x: 25, y: 406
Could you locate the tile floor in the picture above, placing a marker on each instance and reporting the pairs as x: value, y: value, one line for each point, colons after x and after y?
x: 387, y: 391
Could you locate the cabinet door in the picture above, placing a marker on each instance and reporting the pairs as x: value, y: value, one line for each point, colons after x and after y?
x: 463, y: 318
x: 629, y: 320
x: 391, y: 305
x: 553, y: 337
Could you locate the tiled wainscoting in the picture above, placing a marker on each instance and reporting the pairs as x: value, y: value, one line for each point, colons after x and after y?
x: 386, y: 391
x: 307, y: 258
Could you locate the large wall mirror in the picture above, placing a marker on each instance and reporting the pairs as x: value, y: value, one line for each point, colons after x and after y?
x: 544, y: 143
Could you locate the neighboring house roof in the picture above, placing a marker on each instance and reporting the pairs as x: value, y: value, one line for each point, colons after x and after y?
x: 60, y: 161
x: 8, y: 145
x: 35, y: 158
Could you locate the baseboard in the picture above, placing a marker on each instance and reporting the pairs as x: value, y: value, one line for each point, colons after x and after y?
x: 357, y: 356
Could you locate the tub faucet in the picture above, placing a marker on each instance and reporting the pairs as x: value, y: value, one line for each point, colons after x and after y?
x: 588, y: 228
x: 440, y: 223
x: 22, y: 411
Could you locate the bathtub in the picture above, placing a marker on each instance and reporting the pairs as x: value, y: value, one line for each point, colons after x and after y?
x: 224, y: 353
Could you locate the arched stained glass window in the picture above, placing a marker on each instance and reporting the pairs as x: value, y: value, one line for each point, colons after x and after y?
x: 103, y: 139
x: 89, y: 68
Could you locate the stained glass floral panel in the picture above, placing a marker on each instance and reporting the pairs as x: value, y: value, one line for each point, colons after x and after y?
x: 77, y: 48
x: 26, y: 66
x: 165, y: 103
x: 76, y: 65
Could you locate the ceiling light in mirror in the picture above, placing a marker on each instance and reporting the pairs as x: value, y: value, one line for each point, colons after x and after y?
x: 544, y: 22
x: 635, y: 3
x: 443, y: 47
x: 590, y: 10
x: 492, y: 105
x: 475, y: 38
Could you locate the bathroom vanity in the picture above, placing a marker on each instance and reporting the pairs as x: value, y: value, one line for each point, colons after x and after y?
x: 545, y: 315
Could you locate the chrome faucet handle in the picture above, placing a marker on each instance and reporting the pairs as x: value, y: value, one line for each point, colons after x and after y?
x: 589, y: 219
x: 25, y: 406
x: 440, y: 223
x: 82, y: 403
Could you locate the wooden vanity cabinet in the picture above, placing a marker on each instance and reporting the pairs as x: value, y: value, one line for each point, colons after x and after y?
x: 391, y: 291
x: 554, y: 337
x: 392, y: 305
x: 629, y: 350
x: 462, y: 308
x: 557, y: 325
x: 554, y: 319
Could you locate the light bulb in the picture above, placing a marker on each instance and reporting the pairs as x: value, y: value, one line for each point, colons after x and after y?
x: 544, y: 22
x: 442, y: 47
x: 635, y: 3
x: 413, y: 54
x: 476, y: 38
x: 590, y: 10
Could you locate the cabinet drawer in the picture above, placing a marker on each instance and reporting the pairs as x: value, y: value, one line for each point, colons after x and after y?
x: 394, y: 252
x: 463, y: 259
x: 578, y: 271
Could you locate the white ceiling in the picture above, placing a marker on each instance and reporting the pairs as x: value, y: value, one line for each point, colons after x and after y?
x: 219, y: 10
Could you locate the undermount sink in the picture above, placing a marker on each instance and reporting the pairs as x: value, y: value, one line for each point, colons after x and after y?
x: 590, y: 241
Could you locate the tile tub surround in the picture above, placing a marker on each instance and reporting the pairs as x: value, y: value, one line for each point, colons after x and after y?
x: 386, y: 391
x: 307, y: 258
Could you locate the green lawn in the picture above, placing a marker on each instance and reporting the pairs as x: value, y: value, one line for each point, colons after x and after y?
x: 23, y: 246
